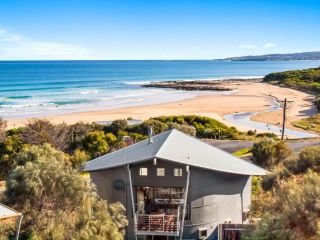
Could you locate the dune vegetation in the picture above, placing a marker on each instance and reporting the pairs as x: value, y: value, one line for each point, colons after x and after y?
x: 285, y: 203
x: 307, y: 80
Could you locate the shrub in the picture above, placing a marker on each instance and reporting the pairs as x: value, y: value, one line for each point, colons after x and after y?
x: 110, y: 137
x: 117, y: 125
x: 251, y: 133
x: 40, y: 131
x: 58, y: 203
x: 8, y: 149
x: 191, y: 130
x: 95, y: 144
x: 78, y: 158
x: 262, y: 153
x: 294, y: 211
x: 78, y: 131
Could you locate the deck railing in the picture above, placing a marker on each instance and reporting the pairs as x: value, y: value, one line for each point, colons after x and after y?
x: 161, y: 224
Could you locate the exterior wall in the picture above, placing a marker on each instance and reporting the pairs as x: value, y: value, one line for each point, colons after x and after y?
x: 104, y: 180
x: 214, y: 196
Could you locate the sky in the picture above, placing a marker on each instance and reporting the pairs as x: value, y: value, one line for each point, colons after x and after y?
x: 156, y: 29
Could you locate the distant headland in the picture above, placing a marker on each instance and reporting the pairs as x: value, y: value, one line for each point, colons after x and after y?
x: 278, y: 57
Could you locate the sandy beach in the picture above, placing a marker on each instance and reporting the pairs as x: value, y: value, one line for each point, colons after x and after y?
x: 247, y: 97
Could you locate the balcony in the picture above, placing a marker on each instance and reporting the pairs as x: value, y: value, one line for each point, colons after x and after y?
x: 159, y: 211
x: 158, y: 224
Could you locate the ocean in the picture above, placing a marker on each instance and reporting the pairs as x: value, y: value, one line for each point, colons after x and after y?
x: 43, y: 88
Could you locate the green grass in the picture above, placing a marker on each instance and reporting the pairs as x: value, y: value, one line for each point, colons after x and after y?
x: 245, y: 152
x: 310, y: 123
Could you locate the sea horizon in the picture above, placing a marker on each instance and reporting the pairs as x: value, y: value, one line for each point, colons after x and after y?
x: 41, y: 88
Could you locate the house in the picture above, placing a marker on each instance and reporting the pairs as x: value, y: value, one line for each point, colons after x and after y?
x: 10, y: 216
x: 175, y: 186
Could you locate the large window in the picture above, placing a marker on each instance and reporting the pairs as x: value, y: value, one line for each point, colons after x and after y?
x: 177, y: 172
x: 160, y: 172
x: 143, y: 171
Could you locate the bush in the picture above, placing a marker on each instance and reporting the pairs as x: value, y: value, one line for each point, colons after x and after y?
x: 58, y: 203
x: 205, y: 127
x: 40, y: 131
x: 78, y: 131
x: 110, y: 137
x: 95, y: 144
x: 190, y: 130
x: 308, y: 158
x: 78, y: 158
x: 251, y: 133
x: 262, y: 153
x: 269, y: 154
x: 294, y: 211
x: 280, y: 152
x: 8, y: 149
x: 117, y: 125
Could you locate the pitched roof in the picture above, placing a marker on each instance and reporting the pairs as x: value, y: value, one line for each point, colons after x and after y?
x: 6, y: 212
x: 179, y: 147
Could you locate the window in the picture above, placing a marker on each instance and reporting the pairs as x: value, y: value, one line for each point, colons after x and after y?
x: 177, y: 172
x: 160, y: 172
x: 143, y: 171
x: 203, y: 233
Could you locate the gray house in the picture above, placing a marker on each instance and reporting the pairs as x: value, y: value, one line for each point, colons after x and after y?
x: 175, y: 186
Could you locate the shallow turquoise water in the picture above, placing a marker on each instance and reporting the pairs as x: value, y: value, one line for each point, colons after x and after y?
x: 41, y: 88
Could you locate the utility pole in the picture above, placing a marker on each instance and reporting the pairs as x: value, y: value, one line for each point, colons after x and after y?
x: 284, y: 105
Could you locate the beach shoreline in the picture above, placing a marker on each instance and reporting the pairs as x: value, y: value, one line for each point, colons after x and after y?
x: 248, y: 96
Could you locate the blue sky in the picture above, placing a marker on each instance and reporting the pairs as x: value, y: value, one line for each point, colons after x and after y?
x: 156, y: 29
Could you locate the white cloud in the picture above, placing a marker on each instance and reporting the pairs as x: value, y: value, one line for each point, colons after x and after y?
x: 18, y: 47
x: 248, y: 46
x: 269, y: 45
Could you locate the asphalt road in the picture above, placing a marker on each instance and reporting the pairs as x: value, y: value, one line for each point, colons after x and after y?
x: 232, y: 146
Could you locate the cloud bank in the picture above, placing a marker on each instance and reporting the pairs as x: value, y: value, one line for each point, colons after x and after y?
x: 15, y: 46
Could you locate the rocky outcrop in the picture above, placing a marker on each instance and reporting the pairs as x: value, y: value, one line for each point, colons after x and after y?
x: 197, y: 85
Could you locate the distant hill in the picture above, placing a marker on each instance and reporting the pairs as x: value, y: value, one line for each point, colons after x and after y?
x: 279, y: 57
x: 305, y: 79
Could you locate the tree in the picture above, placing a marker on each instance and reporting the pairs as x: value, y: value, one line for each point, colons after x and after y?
x: 295, y: 211
x: 191, y: 130
x: 280, y: 152
x: 8, y: 149
x: 57, y: 202
x: 78, y: 158
x: 157, y: 126
x: 308, y: 158
x: 78, y: 131
x: 110, y: 137
x: 262, y: 153
x: 117, y: 125
x: 40, y: 131
x: 95, y: 144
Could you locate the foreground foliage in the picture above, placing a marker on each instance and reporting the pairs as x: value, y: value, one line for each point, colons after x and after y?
x: 292, y: 211
x: 288, y: 199
x: 57, y: 202
x: 83, y: 141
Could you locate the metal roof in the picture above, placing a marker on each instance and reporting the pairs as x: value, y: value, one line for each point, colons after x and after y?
x: 6, y: 212
x: 179, y: 147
